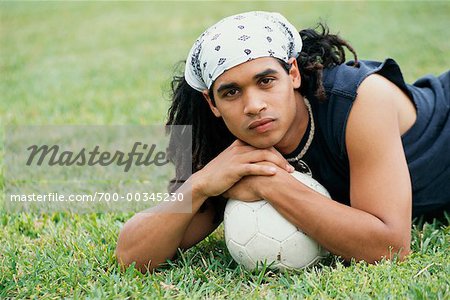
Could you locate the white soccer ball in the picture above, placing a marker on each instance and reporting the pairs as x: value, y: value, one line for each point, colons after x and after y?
x: 255, y: 233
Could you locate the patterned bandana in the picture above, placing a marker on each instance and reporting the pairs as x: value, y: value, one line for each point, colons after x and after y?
x: 238, y: 39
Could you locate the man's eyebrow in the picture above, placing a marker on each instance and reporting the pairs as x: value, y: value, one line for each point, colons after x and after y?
x: 265, y: 73
x: 230, y: 85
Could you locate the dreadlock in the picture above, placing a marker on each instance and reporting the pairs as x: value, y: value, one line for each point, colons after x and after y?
x: 320, y: 50
x: 210, y: 136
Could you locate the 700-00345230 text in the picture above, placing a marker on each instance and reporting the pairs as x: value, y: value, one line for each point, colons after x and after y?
x: 98, y: 197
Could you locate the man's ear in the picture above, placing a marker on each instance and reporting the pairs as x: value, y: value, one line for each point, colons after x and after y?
x: 294, y: 73
x: 213, y: 108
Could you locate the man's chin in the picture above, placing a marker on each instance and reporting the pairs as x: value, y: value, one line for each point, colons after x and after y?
x: 261, y: 144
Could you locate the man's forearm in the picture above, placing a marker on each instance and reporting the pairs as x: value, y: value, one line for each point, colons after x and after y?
x: 343, y: 230
x: 150, y: 238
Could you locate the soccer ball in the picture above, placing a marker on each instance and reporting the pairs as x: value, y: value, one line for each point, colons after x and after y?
x: 255, y: 233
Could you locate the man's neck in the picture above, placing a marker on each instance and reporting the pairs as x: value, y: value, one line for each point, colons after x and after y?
x: 297, y: 130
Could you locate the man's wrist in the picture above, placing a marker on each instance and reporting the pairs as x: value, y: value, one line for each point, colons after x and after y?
x: 271, y: 185
x: 198, y: 187
x: 265, y: 186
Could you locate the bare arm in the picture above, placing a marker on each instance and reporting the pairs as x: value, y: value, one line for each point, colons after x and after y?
x: 343, y: 230
x: 152, y: 237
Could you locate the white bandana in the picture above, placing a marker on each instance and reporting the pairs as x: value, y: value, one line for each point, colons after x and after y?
x: 238, y: 39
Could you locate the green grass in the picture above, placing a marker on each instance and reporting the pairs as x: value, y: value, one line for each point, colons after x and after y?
x: 110, y: 63
x: 62, y: 255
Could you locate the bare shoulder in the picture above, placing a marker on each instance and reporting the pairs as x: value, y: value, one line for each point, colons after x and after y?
x: 378, y: 88
x: 373, y: 113
x: 378, y: 93
x: 379, y: 176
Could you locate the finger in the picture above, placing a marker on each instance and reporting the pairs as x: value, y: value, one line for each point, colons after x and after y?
x: 289, y: 167
x: 241, y: 143
x: 239, y: 146
x: 266, y: 155
x: 237, y: 142
x: 252, y: 169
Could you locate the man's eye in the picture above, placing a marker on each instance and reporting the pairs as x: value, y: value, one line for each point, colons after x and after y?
x: 266, y: 81
x: 231, y: 93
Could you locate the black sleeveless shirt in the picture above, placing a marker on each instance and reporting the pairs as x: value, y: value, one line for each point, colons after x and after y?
x: 426, y: 143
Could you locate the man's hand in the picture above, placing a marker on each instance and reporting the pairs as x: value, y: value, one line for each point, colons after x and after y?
x: 248, y: 188
x: 237, y: 161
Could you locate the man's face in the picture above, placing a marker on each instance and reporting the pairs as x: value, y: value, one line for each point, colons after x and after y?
x: 258, y: 103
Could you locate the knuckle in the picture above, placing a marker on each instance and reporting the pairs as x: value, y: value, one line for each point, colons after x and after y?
x: 247, y: 169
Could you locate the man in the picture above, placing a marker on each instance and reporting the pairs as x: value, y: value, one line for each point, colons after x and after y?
x: 262, y: 100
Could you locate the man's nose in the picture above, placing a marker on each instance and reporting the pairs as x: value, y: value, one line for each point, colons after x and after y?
x: 254, y: 104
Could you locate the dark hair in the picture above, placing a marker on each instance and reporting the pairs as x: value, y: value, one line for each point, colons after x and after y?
x: 320, y: 50
x: 210, y: 136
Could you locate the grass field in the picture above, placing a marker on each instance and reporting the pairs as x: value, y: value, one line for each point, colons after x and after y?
x: 110, y: 63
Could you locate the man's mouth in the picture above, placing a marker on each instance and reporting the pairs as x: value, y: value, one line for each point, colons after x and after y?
x: 261, y: 125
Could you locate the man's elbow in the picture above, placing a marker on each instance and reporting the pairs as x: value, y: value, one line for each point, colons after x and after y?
x: 401, y: 250
x: 127, y: 256
x: 393, y: 253
x: 400, y: 246
x: 122, y: 256
x: 125, y: 261
x: 394, y: 250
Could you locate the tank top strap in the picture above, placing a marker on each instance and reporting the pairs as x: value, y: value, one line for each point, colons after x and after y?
x: 341, y: 84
